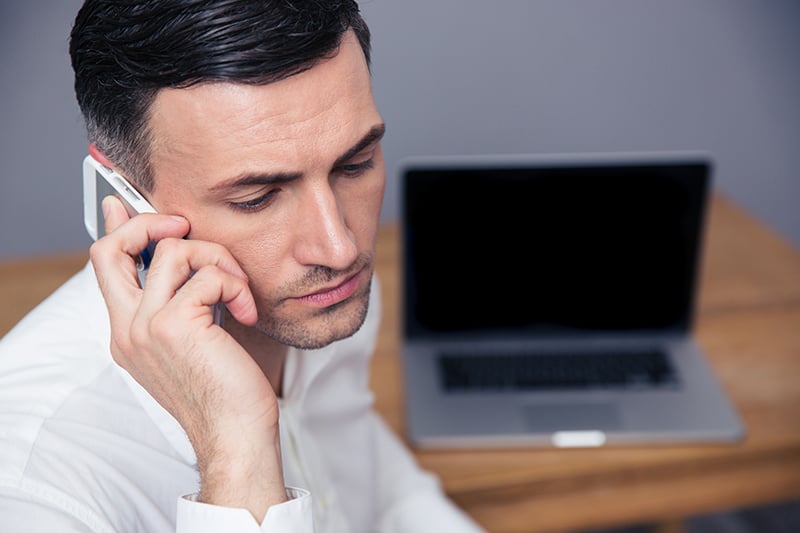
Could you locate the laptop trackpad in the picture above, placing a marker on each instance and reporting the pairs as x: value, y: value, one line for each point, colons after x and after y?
x: 572, y: 416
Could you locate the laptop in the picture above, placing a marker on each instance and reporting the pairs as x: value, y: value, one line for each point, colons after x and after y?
x: 548, y: 301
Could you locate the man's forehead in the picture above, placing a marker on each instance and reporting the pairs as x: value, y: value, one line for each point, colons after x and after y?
x: 340, y: 79
x: 327, y: 107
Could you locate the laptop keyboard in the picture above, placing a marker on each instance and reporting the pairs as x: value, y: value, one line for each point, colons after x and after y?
x: 557, y: 371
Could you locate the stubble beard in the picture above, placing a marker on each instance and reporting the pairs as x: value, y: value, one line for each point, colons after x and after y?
x: 326, y: 325
x: 329, y: 325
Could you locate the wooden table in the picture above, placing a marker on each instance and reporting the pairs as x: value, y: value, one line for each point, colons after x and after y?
x: 749, y: 324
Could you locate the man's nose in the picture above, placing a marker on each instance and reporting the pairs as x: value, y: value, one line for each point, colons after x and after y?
x: 323, y: 238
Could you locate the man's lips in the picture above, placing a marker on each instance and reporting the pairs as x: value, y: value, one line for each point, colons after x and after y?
x: 332, y: 295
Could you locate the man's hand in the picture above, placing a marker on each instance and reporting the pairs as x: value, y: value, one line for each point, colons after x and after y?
x: 164, y: 335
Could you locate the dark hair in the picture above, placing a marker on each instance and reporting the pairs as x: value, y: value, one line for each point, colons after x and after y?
x: 124, y: 51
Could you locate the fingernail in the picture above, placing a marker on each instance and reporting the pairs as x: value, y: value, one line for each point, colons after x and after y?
x: 104, y: 206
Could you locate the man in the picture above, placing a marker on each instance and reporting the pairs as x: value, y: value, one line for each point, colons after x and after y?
x: 251, y: 127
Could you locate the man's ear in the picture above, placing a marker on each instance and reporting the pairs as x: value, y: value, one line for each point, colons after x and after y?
x: 100, y: 157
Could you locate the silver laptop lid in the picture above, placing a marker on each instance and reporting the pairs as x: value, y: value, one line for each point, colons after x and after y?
x: 551, y: 245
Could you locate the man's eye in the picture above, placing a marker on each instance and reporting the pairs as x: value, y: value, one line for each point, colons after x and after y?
x: 356, y: 169
x: 255, y: 204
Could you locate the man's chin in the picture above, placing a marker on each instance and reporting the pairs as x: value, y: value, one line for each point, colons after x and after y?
x: 330, y: 325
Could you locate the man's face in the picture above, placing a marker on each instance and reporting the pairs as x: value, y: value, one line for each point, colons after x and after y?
x: 289, y: 177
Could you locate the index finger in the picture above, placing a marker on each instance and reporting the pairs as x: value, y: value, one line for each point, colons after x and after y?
x: 113, y: 255
x: 114, y: 213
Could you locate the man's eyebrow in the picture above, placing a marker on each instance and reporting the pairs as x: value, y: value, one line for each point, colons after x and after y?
x: 374, y: 135
x: 254, y: 179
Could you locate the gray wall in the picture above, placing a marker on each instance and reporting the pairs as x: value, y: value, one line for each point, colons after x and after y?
x: 473, y: 76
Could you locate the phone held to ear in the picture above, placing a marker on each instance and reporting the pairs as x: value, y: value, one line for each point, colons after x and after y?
x: 100, y: 181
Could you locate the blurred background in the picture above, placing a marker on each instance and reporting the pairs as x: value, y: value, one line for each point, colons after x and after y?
x: 471, y: 76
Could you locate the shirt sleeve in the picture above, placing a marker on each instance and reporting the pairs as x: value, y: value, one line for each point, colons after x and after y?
x: 412, y: 500
x: 292, y: 516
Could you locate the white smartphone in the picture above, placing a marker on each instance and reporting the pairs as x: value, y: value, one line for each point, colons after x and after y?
x: 100, y: 181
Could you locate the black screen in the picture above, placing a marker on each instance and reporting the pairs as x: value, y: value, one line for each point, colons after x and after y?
x: 551, y: 249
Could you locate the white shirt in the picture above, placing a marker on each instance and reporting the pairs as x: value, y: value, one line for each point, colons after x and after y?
x: 84, y: 448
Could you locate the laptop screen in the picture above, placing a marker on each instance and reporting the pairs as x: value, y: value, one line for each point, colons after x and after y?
x: 551, y: 249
